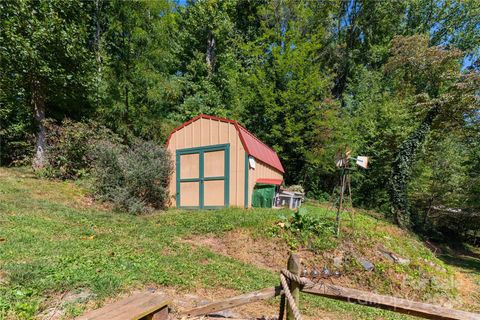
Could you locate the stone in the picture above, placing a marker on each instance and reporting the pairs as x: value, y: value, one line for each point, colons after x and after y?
x: 338, y: 262
x: 387, y: 255
x: 367, y: 265
x: 393, y: 257
x: 403, y: 261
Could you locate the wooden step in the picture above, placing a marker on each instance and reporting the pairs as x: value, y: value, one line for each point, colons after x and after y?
x: 143, y: 305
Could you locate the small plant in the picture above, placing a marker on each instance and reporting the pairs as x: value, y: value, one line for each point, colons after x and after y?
x: 134, y: 178
x: 305, y: 229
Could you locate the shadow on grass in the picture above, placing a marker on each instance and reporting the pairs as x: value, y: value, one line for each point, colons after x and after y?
x: 464, y: 258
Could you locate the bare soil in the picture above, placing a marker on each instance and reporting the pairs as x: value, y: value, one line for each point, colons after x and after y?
x: 240, y: 245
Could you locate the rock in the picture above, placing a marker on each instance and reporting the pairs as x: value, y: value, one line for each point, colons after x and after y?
x: 393, y: 257
x: 403, y: 261
x: 367, y: 265
x: 387, y: 255
x: 337, y: 262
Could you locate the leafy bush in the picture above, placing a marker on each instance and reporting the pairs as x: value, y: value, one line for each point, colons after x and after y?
x: 134, y: 178
x: 307, y: 230
x: 69, y: 146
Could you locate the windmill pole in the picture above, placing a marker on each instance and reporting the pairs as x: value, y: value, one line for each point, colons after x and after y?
x: 340, y: 202
x: 352, y: 211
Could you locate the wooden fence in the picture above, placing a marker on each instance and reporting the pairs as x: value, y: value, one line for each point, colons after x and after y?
x: 292, y: 284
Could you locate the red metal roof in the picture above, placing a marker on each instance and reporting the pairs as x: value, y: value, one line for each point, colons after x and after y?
x: 277, y: 182
x: 253, y: 146
x: 258, y: 149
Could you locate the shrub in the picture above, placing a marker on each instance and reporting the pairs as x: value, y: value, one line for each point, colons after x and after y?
x: 134, y: 178
x: 303, y: 228
x: 69, y: 146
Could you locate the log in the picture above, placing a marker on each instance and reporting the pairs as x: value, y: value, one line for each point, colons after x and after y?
x: 233, y: 302
x: 419, y: 309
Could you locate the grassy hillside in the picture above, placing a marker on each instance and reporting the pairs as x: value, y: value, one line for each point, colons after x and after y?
x: 54, y: 242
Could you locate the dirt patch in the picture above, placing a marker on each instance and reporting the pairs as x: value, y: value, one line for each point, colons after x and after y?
x: 468, y: 290
x: 57, y: 303
x: 3, y: 278
x: 271, y: 254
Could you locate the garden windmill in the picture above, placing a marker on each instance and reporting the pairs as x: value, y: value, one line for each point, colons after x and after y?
x: 343, y: 161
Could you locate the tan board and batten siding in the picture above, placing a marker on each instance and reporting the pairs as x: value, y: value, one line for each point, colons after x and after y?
x: 207, y: 132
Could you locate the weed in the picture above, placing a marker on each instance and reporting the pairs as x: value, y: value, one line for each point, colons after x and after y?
x: 302, y: 228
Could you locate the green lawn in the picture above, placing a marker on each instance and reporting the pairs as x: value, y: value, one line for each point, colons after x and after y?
x: 53, y: 240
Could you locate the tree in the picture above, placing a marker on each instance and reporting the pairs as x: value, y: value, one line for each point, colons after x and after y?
x: 374, y: 124
x: 287, y: 92
x: 137, y: 57
x: 210, y: 67
x: 45, y: 60
x: 445, y: 97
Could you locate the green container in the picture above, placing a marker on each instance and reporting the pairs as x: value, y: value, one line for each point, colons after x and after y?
x: 263, y: 195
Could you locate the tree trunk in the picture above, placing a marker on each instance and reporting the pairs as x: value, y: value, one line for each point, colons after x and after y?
x: 38, y: 105
x: 401, y: 167
x: 210, y: 54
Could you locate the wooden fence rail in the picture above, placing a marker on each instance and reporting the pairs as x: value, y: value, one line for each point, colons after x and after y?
x: 233, y: 302
x: 423, y: 310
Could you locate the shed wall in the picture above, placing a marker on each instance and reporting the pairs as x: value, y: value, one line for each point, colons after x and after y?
x: 205, y: 132
x: 262, y: 170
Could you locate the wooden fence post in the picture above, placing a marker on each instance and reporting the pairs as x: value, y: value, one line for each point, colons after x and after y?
x: 294, y: 267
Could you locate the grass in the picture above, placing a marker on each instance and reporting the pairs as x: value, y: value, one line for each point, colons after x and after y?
x: 53, y: 241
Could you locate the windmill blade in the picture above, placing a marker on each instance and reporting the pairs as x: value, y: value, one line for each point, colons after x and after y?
x: 342, y: 156
x: 339, y: 158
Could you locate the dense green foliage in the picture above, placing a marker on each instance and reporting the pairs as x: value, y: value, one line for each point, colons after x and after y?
x: 392, y: 80
x: 133, y: 178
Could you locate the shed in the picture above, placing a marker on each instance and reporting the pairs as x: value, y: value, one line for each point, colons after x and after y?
x: 217, y: 164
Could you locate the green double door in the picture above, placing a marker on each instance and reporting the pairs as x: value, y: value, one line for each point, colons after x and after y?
x: 202, y: 177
